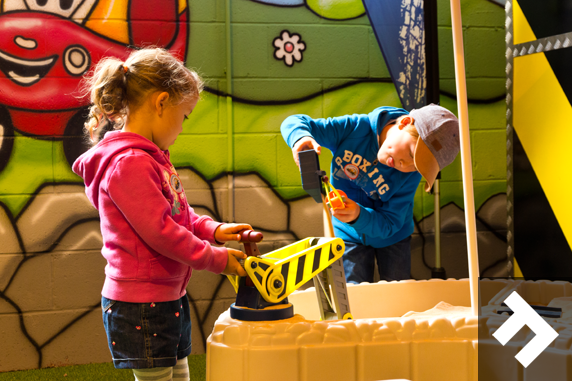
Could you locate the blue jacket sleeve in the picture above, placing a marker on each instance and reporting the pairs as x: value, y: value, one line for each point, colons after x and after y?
x: 328, y: 132
x: 390, y: 217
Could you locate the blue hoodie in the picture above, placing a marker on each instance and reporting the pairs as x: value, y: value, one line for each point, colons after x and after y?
x: 384, y: 194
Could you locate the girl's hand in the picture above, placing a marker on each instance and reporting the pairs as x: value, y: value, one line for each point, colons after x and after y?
x: 304, y: 144
x: 228, y: 232
x: 350, y: 213
x: 233, y: 267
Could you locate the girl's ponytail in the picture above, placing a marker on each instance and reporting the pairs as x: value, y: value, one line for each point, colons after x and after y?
x: 114, y: 86
x: 107, y: 87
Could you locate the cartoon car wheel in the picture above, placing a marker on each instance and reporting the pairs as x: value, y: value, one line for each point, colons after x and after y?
x: 75, y: 143
x: 6, y: 137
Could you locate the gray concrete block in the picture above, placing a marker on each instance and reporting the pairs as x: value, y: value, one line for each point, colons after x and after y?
x: 215, y: 308
x: 492, y: 254
x: 204, y: 212
x: 453, y: 218
x: 82, y: 342
x: 16, y: 351
x: 260, y: 207
x: 454, y: 259
x: 8, y: 235
x: 82, y: 237
x: 494, y: 213
x: 77, y: 279
x: 191, y: 180
x: 282, y: 243
x: 220, y: 199
x: 31, y: 287
x: 203, y: 285
x: 272, y: 241
x: 201, y: 199
x: 220, y: 183
x: 491, y: 216
x: 221, y: 196
x: 306, y: 218
x: 49, y: 215
x: 8, y: 264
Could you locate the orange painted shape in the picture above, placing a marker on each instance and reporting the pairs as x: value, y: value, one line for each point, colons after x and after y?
x: 182, y: 6
x: 109, y: 18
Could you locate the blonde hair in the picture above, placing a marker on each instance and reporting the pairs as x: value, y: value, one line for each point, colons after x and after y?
x: 115, y: 86
x: 410, y: 127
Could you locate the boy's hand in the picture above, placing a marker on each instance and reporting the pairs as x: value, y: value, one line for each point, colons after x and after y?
x: 349, y: 213
x: 229, y: 232
x: 304, y: 144
x: 233, y: 267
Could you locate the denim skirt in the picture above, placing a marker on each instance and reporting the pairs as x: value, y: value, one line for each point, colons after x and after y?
x: 147, y: 335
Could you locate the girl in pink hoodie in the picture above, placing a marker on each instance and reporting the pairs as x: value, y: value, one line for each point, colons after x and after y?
x: 152, y: 239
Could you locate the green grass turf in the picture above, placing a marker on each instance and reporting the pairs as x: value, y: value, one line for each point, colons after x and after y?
x: 97, y: 372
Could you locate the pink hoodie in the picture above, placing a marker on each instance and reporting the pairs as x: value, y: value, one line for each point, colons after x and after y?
x: 152, y: 238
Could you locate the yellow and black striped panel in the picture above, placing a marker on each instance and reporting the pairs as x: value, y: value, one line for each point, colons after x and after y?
x: 304, y: 267
x: 279, y: 273
x: 541, y: 119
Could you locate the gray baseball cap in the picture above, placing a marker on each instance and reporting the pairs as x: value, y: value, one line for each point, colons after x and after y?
x: 438, y: 142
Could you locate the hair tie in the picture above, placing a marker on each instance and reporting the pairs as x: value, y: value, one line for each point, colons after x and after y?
x: 125, y: 69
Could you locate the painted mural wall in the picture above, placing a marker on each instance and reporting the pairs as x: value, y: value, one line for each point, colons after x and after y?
x: 274, y: 59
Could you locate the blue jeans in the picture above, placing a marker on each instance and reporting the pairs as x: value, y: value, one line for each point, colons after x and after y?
x: 393, y: 262
x: 147, y: 335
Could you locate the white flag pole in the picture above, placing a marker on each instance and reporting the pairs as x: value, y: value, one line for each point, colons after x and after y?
x: 469, y: 199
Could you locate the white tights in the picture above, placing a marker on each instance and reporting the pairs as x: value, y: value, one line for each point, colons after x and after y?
x: 179, y: 372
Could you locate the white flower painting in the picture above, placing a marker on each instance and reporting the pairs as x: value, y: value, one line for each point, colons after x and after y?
x: 288, y: 47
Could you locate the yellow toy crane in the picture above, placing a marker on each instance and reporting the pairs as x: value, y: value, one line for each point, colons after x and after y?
x: 263, y: 294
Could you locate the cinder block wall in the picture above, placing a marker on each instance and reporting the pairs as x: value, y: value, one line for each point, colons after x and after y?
x: 51, y: 271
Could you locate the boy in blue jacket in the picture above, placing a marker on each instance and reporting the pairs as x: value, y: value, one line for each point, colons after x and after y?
x: 378, y: 162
